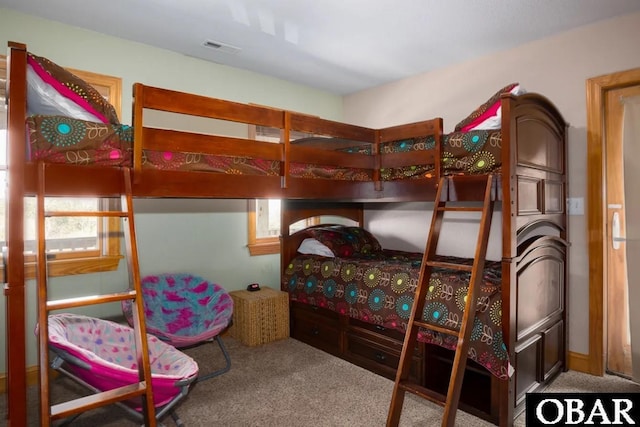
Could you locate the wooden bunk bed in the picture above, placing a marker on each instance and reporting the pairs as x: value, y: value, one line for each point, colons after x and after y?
x: 532, y: 286
x: 335, y: 162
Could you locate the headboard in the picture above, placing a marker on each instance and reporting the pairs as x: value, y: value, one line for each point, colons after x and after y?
x: 297, y: 210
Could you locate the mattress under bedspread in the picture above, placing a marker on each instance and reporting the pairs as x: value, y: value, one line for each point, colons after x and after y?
x: 380, y: 290
x: 59, y: 139
x: 473, y: 152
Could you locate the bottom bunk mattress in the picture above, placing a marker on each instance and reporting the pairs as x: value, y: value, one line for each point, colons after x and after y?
x: 380, y: 289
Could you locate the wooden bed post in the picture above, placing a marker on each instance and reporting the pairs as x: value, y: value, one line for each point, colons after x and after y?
x: 506, y: 389
x: 377, y: 162
x: 14, y: 288
x: 286, y: 140
x: 438, y: 148
x: 138, y: 122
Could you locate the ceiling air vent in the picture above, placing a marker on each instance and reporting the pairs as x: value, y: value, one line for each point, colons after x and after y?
x: 220, y: 47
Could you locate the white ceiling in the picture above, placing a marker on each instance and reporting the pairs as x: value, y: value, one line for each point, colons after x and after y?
x: 341, y: 46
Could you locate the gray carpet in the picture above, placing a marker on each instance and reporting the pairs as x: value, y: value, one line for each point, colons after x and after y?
x: 288, y: 383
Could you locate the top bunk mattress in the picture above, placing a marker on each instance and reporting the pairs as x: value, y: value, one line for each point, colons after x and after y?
x: 471, y: 152
x: 60, y: 139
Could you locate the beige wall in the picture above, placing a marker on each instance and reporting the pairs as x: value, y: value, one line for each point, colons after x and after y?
x: 556, y: 67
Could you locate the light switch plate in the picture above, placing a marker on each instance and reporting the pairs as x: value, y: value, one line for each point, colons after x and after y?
x: 575, y: 205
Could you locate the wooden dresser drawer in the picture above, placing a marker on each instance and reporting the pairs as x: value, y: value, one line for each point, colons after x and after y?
x: 315, y: 329
x: 379, y: 358
x: 301, y: 310
x: 385, y: 337
x: 391, y: 333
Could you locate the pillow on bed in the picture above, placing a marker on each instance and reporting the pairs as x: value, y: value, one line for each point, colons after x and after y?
x: 346, y: 241
x: 52, y: 90
x: 312, y: 246
x: 487, y: 115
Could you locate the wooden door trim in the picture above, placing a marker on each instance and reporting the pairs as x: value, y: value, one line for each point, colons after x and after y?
x: 596, y: 149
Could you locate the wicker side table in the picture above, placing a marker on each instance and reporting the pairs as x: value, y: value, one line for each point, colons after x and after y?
x: 260, y: 317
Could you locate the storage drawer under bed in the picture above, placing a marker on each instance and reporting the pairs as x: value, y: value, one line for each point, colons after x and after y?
x: 315, y: 326
x: 375, y: 356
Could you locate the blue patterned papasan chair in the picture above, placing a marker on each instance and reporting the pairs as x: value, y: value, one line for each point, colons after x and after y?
x: 185, y: 310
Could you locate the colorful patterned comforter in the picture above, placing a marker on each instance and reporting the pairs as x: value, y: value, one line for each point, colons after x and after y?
x: 59, y: 139
x: 473, y: 152
x: 380, y: 290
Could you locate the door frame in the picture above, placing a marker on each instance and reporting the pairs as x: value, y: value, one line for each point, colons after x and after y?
x: 596, y: 209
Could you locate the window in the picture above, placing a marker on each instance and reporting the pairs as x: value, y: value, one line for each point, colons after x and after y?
x: 264, y: 214
x: 75, y: 245
x: 264, y: 226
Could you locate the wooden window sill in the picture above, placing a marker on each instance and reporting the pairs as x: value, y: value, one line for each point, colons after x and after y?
x: 264, y: 248
x: 67, y: 267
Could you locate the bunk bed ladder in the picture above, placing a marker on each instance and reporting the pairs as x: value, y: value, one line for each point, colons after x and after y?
x: 402, y: 383
x: 141, y: 389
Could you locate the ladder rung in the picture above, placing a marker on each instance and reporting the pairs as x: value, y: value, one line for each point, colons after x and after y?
x: 66, y: 409
x: 437, y: 328
x: 461, y: 208
x: 50, y: 214
x: 450, y: 265
x: 423, y: 392
x: 90, y: 300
